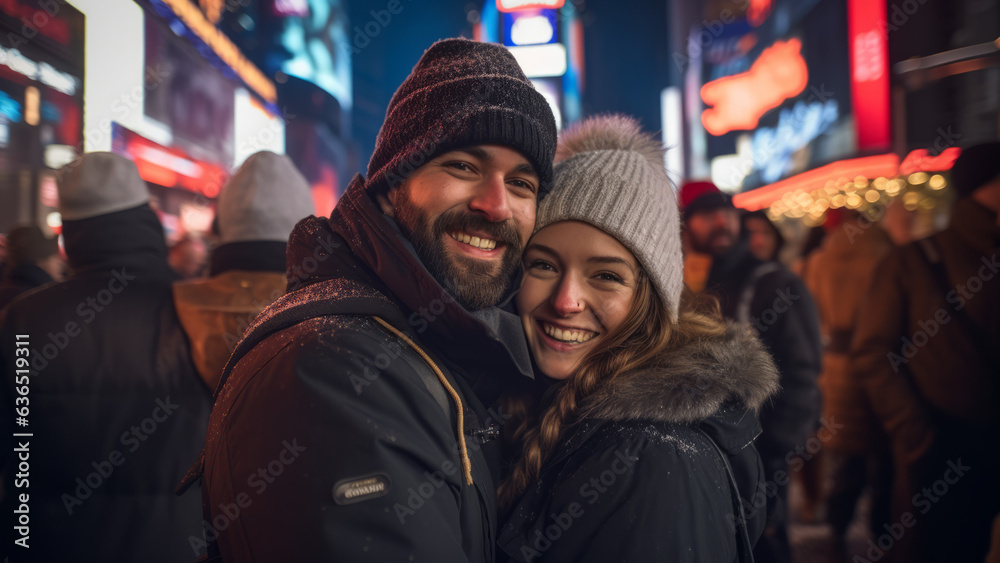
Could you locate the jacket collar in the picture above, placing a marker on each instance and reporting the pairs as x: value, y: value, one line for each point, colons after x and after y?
x: 691, y: 384
x: 717, y: 384
x: 129, y: 238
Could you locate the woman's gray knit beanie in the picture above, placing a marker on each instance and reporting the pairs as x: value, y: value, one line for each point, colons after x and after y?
x: 610, y: 174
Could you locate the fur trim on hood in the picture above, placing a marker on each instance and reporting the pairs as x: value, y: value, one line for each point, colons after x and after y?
x: 692, y: 383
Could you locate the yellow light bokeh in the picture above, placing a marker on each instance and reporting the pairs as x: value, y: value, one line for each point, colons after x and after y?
x: 872, y: 196
x: 937, y: 182
x: 918, y: 178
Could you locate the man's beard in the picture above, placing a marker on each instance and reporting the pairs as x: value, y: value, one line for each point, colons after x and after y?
x: 473, y: 283
x: 712, y: 243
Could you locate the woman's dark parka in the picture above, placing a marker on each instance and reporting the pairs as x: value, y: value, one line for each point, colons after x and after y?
x: 637, y: 480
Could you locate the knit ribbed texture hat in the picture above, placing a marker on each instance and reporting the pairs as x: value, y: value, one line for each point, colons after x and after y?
x: 99, y: 183
x: 610, y: 174
x: 462, y: 93
x: 263, y: 200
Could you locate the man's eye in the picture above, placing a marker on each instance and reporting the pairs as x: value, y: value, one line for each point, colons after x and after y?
x: 463, y: 166
x: 525, y: 185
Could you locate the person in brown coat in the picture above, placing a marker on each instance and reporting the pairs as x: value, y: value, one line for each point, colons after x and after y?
x: 257, y: 209
x: 925, y: 350
x: 838, y: 274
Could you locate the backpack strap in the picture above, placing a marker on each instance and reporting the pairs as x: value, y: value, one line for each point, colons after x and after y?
x: 745, y: 546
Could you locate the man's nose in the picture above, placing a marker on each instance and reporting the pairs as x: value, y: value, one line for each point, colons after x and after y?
x: 491, y: 199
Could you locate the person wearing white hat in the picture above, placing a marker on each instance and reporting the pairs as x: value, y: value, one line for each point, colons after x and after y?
x: 257, y: 209
x: 114, y: 409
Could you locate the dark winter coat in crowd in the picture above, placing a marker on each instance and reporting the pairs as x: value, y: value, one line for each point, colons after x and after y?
x: 116, y: 409
x: 776, y: 303
x: 638, y: 480
x: 333, y: 437
x: 19, y: 279
x: 933, y: 388
x: 784, y: 314
x: 838, y: 275
x: 245, y: 277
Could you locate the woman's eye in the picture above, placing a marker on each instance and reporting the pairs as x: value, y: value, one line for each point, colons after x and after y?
x: 609, y: 277
x: 541, y: 265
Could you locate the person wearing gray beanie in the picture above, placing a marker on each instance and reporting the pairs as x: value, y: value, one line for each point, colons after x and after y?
x: 645, y: 436
x: 117, y: 408
x: 257, y: 209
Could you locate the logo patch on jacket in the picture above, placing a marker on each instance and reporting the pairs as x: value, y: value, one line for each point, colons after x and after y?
x: 357, y: 489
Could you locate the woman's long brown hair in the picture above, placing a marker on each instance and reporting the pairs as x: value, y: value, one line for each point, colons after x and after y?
x: 646, y: 333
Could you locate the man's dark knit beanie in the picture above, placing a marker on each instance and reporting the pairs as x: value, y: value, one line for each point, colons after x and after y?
x: 462, y: 93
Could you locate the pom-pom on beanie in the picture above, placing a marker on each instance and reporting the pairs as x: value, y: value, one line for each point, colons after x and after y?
x: 462, y: 93
x: 610, y: 174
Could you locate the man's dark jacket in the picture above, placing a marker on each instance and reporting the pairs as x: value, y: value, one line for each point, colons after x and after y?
x: 331, y: 437
x: 115, y: 406
x: 785, y: 316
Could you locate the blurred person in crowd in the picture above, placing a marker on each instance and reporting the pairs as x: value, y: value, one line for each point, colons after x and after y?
x: 696, y: 264
x: 925, y: 350
x: 256, y: 212
x: 34, y: 261
x: 763, y: 237
x: 839, y: 275
x: 644, y: 378
x: 369, y: 379
x: 117, y: 408
x: 188, y: 256
x: 898, y: 222
x: 776, y: 303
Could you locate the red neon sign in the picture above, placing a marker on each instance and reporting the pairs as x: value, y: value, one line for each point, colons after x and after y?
x: 742, y: 99
x: 868, y: 47
x: 758, y: 11
x: 867, y: 166
x: 921, y: 161
x: 520, y: 5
